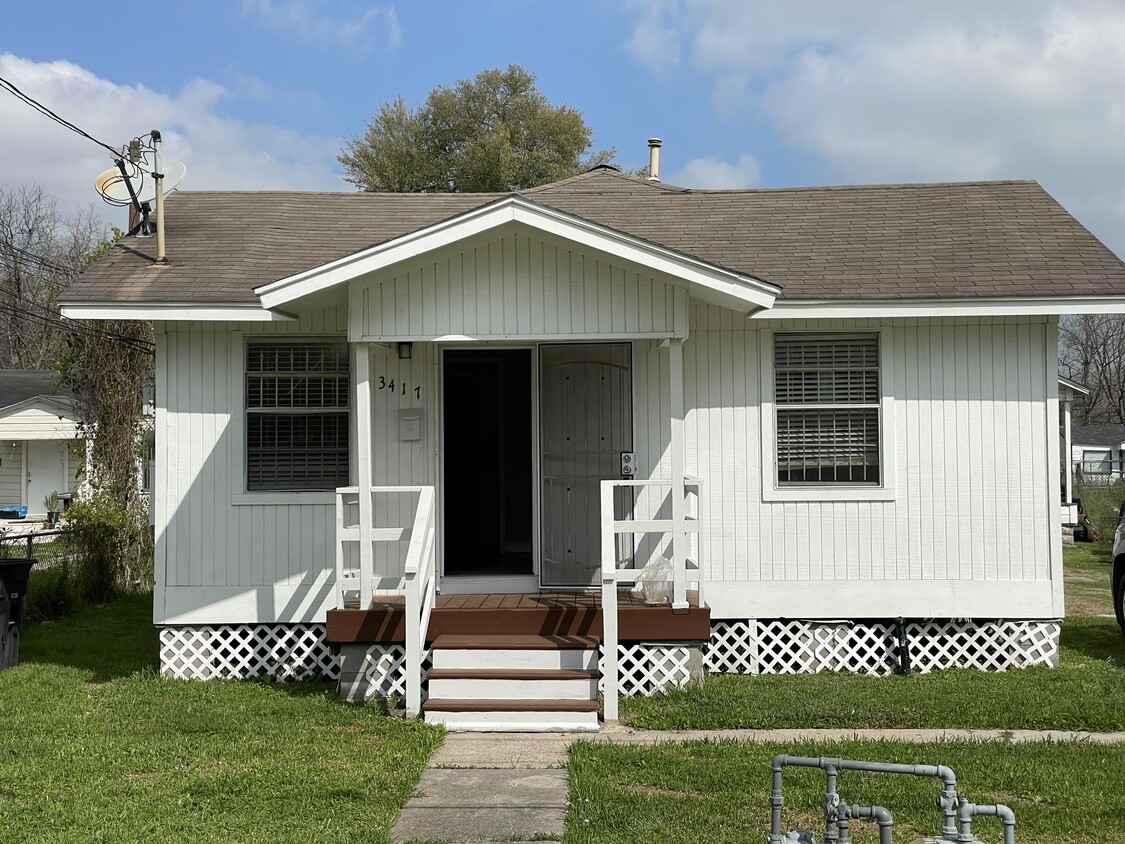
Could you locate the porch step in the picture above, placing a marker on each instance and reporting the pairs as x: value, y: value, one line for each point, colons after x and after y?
x: 513, y: 683
x: 515, y: 652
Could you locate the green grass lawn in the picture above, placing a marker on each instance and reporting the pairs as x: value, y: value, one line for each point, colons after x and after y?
x: 1086, y: 572
x: 1086, y: 691
x: 717, y: 792
x: 95, y: 746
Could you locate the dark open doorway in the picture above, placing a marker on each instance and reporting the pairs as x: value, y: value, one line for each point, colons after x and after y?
x: 488, y: 476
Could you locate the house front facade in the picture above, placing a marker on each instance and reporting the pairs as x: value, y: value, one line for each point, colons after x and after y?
x: 801, y: 418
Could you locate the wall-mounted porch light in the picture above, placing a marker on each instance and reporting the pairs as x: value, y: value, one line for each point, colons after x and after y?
x: 405, y: 351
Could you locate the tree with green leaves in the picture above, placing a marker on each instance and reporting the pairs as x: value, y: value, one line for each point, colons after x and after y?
x: 493, y: 133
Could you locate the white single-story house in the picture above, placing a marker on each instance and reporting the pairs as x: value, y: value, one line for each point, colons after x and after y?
x: 427, y: 443
x: 41, y: 451
x: 1098, y: 453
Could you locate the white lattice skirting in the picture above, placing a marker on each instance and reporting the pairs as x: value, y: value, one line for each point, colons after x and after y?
x: 797, y: 647
x: 647, y: 669
x: 298, y: 652
x: 246, y: 651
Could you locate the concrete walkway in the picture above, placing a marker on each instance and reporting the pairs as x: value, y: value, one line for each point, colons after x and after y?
x: 503, y: 786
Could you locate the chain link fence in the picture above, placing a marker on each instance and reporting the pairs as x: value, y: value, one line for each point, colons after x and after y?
x: 55, y: 587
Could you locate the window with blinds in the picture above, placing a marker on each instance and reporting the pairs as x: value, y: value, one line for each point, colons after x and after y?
x: 826, y: 400
x: 296, y: 414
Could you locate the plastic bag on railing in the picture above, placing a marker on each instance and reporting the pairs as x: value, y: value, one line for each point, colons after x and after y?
x: 655, y: 581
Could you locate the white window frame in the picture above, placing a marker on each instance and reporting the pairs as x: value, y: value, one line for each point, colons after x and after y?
x: 771, y: 489
x: 240, y: 495
x: 1106, y: 459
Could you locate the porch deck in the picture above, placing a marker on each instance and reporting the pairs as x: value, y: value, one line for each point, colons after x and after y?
x: 527, y: 614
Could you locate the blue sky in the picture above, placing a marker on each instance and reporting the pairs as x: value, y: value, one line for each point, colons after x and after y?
x: 262, y: 93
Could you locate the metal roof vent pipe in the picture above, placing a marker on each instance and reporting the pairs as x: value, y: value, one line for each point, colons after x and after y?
x: 654, y: 159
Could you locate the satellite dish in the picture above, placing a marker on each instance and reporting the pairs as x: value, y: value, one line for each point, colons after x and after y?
x: 111, y: 184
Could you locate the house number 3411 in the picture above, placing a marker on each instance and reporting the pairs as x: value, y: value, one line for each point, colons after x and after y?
x: 402, y: 387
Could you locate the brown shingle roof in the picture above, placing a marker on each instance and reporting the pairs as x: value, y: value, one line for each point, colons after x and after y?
x: 981, y: 239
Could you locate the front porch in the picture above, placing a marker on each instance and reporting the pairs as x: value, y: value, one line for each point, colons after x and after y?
x: 528, y: 661
x: 526, y: 614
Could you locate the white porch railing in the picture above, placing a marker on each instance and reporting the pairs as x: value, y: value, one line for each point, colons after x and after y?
x: 685, y: 558
x: 356, y: 575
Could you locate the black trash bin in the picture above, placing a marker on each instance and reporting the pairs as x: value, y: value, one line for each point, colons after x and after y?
x: 13, y: 588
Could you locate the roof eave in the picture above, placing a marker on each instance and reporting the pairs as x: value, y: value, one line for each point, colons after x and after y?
x: 964, y: 306
x: 173, y: 311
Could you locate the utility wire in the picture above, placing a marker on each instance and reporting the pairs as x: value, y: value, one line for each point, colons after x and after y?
x: 46, y: 263
x: 79, y: 326
x: 136, y: 345
x: 85, y: 329
x: 42, y: 109
x: 56, y: 321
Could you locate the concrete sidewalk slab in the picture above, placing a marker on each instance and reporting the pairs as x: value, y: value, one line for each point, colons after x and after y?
x: 549, y: 750
x: 484, y: 804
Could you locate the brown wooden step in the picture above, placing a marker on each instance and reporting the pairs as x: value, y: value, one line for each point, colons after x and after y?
x: 512, y: 673
x: 454, y: 641
x: 485, y: 705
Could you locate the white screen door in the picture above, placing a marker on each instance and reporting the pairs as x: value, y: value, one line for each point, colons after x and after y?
x: 586, y: 422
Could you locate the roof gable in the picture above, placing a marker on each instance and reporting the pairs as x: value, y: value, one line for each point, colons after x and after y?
x: 710, y: 281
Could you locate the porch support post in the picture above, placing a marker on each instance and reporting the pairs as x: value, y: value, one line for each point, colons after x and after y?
x: 361, y: 366
x: 1067, y: 461
x: 679, y: 535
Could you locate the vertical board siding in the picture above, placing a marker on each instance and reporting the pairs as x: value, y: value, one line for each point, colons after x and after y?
x: 517, y: 286
x: 394, y: 462
x: 969, y: 462
x: 207, y: 538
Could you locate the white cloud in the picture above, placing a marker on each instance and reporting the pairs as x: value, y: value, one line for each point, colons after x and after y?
x: 654, y: 42
x: 717, y: 174
x: 877, y: 91
x: 322, y: 22
x: 220, y: 152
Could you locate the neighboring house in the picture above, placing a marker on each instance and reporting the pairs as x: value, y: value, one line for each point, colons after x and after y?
x: 830, y: 409
x: 1069, y: 392
x: 1098, y: 453
x: 40, y: 448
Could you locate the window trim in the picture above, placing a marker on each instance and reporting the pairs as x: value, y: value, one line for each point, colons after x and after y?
x: 239, y: 494
x: 1108, y: 459
x: 771, y: 489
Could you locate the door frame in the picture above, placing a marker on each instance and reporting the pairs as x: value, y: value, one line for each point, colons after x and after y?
x: 476, y: 584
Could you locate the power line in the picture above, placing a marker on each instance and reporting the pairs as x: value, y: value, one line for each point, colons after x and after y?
x: 46, y: 263
x: 55, y: 321
x: 54, y: 315
x: 42, y: 109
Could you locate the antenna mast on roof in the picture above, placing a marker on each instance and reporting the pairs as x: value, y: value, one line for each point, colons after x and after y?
x: 158, y: 177
x: 139, y: 176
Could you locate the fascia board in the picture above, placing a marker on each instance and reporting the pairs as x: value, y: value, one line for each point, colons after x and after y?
x: 172, y: 312
x: 516, y: 210
x: 1030, y: 306
x: 1073, y: 385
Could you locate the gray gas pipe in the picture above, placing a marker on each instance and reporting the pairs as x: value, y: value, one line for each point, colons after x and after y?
x: 957, y: 813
